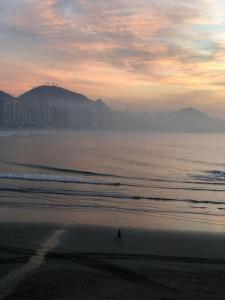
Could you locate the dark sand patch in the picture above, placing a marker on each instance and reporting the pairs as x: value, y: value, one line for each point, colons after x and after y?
x: 27, y: 235
x: 72, y: 280
x: 80, y: 282
x: 88, y: 264
x: 100, y: 239
x: 18, y: 242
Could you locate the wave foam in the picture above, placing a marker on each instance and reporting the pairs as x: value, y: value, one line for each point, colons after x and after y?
x: 54, y: 178
x: 216, y: 173
x: 100, y: 194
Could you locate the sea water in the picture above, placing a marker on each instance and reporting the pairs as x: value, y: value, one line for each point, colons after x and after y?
x: 132, y: 179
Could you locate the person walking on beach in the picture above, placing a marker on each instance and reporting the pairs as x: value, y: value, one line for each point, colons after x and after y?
x: 118, y: 238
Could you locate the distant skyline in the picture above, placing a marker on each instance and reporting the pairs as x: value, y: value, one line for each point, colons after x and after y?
x: 145, y: 54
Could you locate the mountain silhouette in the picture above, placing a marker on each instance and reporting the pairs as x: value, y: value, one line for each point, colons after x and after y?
x: 186, y: 120
x: 5, y: 96
x: 190, y: 112
x: 53, y: 94
x: 53, y: 106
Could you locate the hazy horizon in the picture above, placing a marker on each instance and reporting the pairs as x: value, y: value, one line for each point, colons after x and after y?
x: 149, y: 54
x: 122, y: 106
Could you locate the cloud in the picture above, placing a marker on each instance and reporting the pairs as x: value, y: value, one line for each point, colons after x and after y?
x: 160, y: 44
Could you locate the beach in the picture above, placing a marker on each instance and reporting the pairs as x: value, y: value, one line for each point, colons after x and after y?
x: 20, y: 246
x: 60, y: 215
x: 86, y: 263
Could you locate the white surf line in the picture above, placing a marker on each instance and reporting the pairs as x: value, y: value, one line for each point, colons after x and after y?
x: 10, y: 281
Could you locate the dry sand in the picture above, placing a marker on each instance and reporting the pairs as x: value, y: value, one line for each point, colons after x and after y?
x: 18, y: 243
x: 88, y: 264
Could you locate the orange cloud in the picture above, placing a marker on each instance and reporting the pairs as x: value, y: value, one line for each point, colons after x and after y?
x: 137, y: 49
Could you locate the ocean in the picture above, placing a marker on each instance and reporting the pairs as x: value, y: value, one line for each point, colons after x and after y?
x: 121, y: 179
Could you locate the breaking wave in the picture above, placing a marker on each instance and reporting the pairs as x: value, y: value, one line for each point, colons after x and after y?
x: 102, y: 194
x: 71, y: 171
x: 95, y: 174
x: 54, y: 178
x: 217, y: 174
x: 212, y: 176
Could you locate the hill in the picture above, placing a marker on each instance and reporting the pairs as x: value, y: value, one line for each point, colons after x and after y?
x: 5, y: 96
x: 53, y: 95
x: 186, y: 120
x: 56, y: 107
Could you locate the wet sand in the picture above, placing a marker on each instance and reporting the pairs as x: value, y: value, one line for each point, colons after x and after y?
x: 100, y: 239
x: 88, y: 264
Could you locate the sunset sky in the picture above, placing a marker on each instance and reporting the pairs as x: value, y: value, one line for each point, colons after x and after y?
x: 140, y: 54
